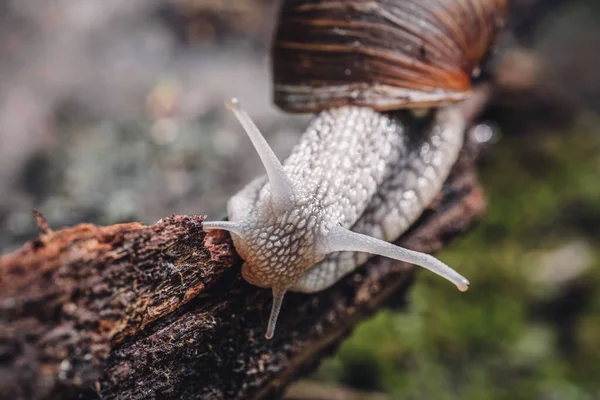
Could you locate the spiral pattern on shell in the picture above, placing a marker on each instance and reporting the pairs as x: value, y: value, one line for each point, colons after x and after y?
x: 384, y: 54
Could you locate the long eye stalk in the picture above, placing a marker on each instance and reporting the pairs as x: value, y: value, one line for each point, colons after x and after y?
x: 282, y: 188
x: 341, y: 239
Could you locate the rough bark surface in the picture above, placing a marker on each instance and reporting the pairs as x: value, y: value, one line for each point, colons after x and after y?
x: 135, y: 312
x: 69, y: 296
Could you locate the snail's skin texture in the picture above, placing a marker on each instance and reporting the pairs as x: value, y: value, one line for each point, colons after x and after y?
x: 357, y: 179
x: 410, y: 184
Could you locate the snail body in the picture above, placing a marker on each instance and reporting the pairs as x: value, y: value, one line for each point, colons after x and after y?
x: 360, y: 176
x: 414, y: 174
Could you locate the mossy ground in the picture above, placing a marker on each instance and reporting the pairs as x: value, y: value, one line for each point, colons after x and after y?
x: 529, y: 327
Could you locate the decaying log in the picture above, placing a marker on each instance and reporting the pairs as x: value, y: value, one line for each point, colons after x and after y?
x: 70, y: 295
x: 136, y: 312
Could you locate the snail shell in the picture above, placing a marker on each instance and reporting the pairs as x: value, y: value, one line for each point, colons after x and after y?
x: 382, y: 54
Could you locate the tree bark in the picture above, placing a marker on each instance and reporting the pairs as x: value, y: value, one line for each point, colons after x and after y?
x: 133, y: 312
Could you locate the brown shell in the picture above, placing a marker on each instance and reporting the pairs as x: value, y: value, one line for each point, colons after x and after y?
x: 385, y: 54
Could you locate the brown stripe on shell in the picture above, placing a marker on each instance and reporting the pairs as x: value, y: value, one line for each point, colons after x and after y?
x: 385, y: 54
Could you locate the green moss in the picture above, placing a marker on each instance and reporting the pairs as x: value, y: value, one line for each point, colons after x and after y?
x: 513, y: 335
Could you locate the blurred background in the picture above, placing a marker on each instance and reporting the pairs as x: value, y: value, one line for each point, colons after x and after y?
x: 112, y: 111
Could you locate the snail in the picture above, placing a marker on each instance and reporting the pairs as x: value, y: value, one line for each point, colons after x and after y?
x: 364, y: 170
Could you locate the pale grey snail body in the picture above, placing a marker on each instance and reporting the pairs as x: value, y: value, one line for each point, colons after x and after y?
x: 358, y: 178
x: 348, y: 161
x: 414, y: 173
